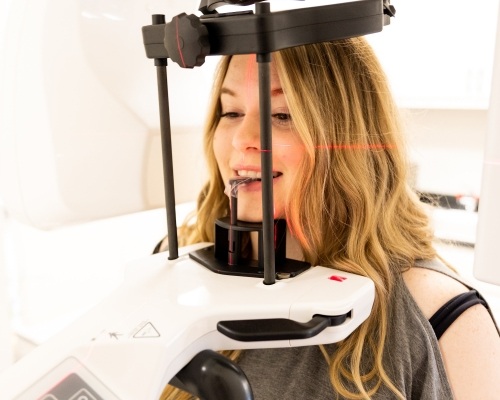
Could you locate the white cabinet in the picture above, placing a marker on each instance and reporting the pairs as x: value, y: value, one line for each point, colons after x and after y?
x: 439, y: 53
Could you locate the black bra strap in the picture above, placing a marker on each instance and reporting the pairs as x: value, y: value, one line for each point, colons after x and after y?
x: 450, y: 311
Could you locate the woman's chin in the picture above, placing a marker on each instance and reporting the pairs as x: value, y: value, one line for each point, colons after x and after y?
x: 250, y: 218
x: 254, y: 217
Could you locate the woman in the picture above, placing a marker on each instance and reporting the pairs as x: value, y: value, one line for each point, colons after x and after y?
x: 340, y: 181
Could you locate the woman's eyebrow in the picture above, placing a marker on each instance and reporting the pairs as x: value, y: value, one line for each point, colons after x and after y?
x: 228, y: 91
x: 274, y: 92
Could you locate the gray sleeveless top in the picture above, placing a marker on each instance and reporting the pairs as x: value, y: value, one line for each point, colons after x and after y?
x: 412, y: 359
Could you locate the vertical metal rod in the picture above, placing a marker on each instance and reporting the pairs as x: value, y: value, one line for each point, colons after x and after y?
x: 166, y: 145
x: 234, y: 240
x: 264, y: 62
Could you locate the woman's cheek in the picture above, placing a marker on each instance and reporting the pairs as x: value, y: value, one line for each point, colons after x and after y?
x: 290, y: 155
x: 221, y: 153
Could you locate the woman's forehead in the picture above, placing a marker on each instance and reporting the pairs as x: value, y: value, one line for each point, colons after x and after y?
x: 243, y: 70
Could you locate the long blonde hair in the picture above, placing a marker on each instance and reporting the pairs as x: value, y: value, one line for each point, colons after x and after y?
x: 352, y: 207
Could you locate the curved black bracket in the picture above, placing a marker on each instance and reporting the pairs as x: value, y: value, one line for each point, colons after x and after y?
x: 211, y: 376
x: 217, y: 258
x: 209, y: 6
x: 249, y: 33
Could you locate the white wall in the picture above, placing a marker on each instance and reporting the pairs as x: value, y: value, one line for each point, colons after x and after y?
x: 6, y: 353
x: 447, y: 147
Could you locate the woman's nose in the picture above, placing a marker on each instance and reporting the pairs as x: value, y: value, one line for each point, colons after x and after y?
x: 247, y: 134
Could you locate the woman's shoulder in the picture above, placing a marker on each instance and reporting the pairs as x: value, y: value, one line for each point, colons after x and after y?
x: 470, y: 346
x: 431, y: 288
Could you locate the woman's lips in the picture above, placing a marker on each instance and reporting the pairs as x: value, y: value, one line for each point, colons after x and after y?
x: 252, y: 174
x: 253, y: 184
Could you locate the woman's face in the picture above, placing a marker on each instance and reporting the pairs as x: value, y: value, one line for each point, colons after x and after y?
x: 237, y: 138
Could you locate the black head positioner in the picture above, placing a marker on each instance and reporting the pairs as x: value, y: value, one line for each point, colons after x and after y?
x: 188, y: 40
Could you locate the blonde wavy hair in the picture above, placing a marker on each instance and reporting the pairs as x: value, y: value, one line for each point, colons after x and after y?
x: 354, y: 210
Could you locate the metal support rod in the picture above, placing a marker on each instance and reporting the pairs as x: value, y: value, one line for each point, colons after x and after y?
x: 166, y: 145
x: 264, y: 63
x: 234, y: 236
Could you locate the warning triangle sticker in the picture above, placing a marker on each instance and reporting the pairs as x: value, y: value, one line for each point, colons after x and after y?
x: 147, y: 331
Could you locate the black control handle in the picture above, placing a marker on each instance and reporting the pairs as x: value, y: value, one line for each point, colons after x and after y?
x: 211, y: 376
x: 256, y: 330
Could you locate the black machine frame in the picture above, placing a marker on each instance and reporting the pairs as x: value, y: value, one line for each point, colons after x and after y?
x: 187, y: 40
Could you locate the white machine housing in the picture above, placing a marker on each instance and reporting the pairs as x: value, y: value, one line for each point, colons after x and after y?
x: 79, y: 112
x: 130, y: 346
x: 487, y: 250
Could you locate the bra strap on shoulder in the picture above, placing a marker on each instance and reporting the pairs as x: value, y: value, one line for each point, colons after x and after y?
x: 451, y: 310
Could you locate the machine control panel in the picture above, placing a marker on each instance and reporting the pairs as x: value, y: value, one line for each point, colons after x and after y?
x: 70, y: 380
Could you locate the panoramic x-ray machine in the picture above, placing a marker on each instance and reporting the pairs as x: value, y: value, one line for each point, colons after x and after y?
x: 175, y: 310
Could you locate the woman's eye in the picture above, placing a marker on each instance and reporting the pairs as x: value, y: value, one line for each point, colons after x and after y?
x: 282, y: 118
x: 230, y: 115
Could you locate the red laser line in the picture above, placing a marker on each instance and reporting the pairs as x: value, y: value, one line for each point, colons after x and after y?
x: 356, y: 147
x: 347, y: 147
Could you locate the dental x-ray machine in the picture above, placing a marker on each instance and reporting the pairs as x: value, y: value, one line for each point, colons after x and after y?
x: 175, y: 310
